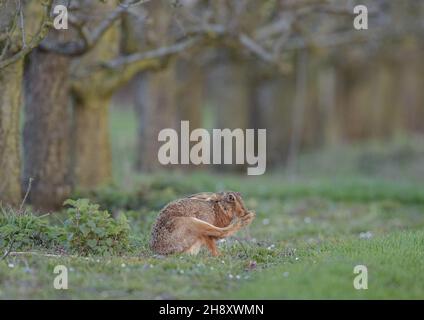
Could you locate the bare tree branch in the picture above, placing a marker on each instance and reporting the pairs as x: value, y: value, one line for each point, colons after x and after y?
x: 118, y: 71
x: 41, y: 34
x: 88, y: 39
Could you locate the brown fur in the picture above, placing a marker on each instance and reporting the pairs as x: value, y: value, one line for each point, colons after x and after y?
x: 185, y: 225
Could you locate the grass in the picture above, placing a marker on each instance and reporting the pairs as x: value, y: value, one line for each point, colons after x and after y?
x: 309, y: 234
x: 394, y: 265
x: 316, y: 239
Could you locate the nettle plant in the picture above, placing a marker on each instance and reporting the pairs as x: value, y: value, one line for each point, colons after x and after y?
x: 92, y: 231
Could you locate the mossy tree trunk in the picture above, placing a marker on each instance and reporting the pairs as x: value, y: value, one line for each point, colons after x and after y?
x: 47, y: 129
x: 92, y: 97
x: 11, y: 78
x: 92, y: 141
x: 10, y: 159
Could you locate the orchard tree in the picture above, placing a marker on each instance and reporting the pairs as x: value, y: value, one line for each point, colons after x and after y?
x: 23, y: 25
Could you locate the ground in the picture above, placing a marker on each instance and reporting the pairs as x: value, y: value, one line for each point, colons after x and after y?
x: 345, y: 207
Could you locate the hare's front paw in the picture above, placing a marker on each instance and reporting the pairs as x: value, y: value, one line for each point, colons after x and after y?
x: 248, y: 218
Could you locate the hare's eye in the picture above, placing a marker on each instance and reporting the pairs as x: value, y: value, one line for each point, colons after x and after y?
x: 231, y: 197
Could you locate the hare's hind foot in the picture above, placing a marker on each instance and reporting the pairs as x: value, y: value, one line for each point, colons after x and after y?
x: 205, y: 233
x: 203, y: 229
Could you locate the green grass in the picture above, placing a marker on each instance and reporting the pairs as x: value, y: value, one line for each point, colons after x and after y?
x: 323, y: 233
x: 309, y: 233
x: 394, y: 266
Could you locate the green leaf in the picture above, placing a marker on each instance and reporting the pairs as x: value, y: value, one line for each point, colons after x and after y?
x: 92, y: 243
x: 84, y: 229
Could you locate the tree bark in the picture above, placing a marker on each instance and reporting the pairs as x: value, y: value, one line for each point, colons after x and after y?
x: 156, y: 109
x: 92, y: 97
x: 92, y: 142
x: 10, y: 159
x: 271, y: 109
x: 228, y: 94
x: 11, y: 94
x: 189, y: 94
x: 189, y: 98
x: 47, y: 129
x: 155, y: 101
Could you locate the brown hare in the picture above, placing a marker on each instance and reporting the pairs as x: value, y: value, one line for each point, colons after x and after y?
x: 185, y: 225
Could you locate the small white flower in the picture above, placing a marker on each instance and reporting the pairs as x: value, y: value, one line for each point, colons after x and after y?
x: 365, y: 235
x: 230, y: 276
x: 123, y: 265
x: 222, y: 261
x: 11, y: 265
x: 238, y: 277
x: 297, y: 258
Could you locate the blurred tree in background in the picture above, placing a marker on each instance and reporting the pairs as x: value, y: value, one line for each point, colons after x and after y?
x: 296, y: 68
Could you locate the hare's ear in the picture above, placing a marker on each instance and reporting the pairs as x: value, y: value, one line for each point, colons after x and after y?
x: 217, y: 196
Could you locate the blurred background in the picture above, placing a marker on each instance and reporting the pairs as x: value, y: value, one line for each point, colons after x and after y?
x: 334, y: 100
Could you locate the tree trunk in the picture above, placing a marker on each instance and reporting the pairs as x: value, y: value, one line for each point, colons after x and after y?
x: 327, y: 104
x: 156, y: 109
x: 189, y: 98
x: 229, y: 98
x: 155, y: 100
x: 190, y: 92
x: 47, y: 129
x: 10, y: 159
x: 92, y: 97
x: 298, y: 112
x: 271, y: 108
x: 92, y: 142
